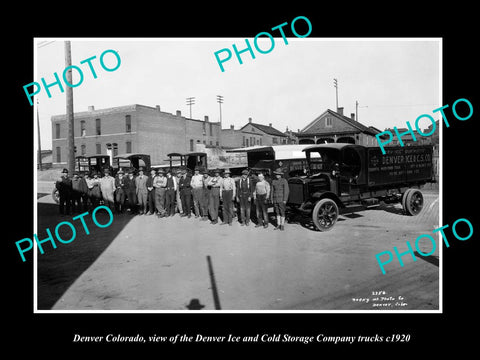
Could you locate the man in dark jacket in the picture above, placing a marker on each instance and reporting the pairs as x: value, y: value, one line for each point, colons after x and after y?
x: 64, y: 187
x: 185, y: 193
x: 79, y: 190
x: 280, y: 193
x: 244, y: 197
x: 131, y: 191
x: 151, y: 193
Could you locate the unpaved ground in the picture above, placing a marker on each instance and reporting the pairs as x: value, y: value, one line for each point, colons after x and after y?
x: 145, y: 263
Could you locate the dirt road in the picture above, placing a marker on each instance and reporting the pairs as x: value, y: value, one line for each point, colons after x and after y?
x: 146, y: 263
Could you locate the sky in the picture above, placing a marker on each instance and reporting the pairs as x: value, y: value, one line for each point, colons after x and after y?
x: 393, y: 80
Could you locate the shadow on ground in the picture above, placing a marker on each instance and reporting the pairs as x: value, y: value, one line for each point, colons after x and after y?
x: 59, y: 267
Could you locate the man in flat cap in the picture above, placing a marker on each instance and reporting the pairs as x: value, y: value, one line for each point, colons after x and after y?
x: 227, y: 194
x: 214, y: 185
x: 244, y: 197
x: 280, y: 193
x: 64, y: 187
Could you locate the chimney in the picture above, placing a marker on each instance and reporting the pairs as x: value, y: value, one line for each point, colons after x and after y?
x: 340, y: 110
x: 270, y: 124
x: 206, y: 118
x: 179, y: 113
x: 298, y: 130
x: 232, y: 127
x: 249, y: 119
x: 352, y: 115
x: 91, y: 108
x: 158, y: 107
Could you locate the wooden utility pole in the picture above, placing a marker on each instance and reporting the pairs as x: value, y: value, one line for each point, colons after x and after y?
x: 220, y: 101
x: 39, y: 144
x: 335, y: 84
x: 69, y: 95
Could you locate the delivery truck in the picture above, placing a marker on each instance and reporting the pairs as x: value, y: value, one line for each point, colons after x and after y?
x: 342, y: 176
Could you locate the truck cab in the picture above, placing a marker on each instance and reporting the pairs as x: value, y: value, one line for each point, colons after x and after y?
x: 337, y: 169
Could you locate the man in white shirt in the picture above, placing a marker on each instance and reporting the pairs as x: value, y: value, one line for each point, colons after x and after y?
x: 197, y: 191
x: 227, y: 193
x: 214, y: 185
x: 160, y: 184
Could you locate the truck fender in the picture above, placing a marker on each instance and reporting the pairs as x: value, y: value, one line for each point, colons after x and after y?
x: 327, y: 194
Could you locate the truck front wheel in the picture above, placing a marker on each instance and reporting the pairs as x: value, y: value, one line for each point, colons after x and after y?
x: 325, y: 214
x: 413, y: 202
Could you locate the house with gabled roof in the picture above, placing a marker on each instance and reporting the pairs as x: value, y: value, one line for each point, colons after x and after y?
x: 334, y: 127
x: 252, y: 134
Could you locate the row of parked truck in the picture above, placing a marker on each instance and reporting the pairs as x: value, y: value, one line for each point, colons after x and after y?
x: 325, y: 180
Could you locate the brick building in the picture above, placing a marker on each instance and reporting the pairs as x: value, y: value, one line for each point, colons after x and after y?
x: 252, y: 134
x: 134, y: 128
x: 333, y: 126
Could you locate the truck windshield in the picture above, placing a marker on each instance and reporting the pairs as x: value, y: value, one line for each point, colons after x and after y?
x: 325, y: 162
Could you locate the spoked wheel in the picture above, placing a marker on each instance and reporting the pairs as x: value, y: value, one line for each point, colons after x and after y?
x: 325, y: 214
x: 413, y: 203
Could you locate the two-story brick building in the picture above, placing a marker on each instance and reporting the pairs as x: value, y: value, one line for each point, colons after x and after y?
x: 134, y: 128
x: 333, y: 126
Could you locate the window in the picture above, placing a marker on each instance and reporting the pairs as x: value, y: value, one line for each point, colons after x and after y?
x: 57, y: 131
x: 191, y: 144
x: 274, y: 140
x: 260, y: 141
x: 98, y: 127
x: 217, y: 143
x: 246, y: 144
x: 59, y: 154
x: 211, y: 142
x: 83, y: 132
x: 83, y: 149
x: 328, y: 122
x: 128, y: 123
x: 205, y: 142
x: 243, y: 141
x: 99, y: 148
x: 211, y: 129
x: 128, y: 145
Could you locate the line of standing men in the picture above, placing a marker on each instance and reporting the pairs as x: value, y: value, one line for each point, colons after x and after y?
x: 164, y: 194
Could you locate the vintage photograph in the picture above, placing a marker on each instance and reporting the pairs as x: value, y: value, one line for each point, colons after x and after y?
x: 173, y: 179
